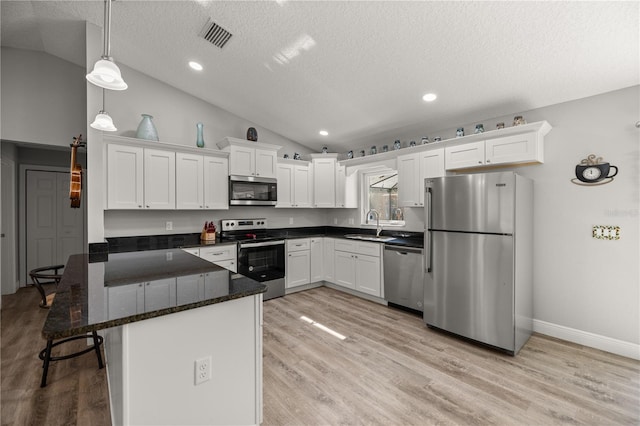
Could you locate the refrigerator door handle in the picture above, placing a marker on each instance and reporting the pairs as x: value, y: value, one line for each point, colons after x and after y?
x: 427, y: 232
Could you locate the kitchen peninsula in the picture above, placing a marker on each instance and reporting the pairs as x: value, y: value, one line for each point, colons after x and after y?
x: 163, y: 312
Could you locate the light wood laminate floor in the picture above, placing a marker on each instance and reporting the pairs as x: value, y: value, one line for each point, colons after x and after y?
x: 390, y: 369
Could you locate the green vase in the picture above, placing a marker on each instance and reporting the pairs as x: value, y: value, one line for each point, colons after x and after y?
x: 146, y: 129
x: 200, y: 136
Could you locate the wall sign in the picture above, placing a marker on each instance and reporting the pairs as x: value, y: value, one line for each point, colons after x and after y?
x: 593, y: 171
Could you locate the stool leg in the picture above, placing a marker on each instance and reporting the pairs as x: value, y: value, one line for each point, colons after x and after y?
x: 96, y: 344
x: 41, y: 291
x: 45, y: 365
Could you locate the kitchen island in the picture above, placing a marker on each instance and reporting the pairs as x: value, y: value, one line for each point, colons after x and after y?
x: 163, y: 312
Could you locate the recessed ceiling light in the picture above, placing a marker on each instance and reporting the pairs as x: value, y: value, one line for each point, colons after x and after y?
x: 429, y: 97
x: 324, y: 133
x: 196, y: 66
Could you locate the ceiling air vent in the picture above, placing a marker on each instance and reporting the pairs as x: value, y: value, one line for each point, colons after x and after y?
x: 215, y: 34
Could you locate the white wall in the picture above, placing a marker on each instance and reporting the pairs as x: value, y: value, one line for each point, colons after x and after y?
x: 43, y: 98
x: 121, y: 223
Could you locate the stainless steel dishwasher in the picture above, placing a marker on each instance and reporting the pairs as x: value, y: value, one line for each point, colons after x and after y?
x: 403, y: 276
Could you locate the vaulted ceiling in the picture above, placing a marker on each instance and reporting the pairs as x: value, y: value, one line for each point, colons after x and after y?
x: 358, y: 69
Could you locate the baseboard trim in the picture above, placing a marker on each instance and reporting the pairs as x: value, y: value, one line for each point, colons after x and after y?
x: 615, y: 346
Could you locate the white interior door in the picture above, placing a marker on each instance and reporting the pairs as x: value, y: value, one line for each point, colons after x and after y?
x: 8, y: 250
x: 53, y: 229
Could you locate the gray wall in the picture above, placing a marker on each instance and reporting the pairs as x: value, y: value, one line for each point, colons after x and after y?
x: 43, y: 98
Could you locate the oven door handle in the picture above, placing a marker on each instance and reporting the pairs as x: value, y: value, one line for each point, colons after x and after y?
x: 264, y: 244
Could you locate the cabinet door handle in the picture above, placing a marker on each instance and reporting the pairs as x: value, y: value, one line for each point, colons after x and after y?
x: 479, y: 162
x: 139, y: 206
x: 147, y: 206
x: 206, y: 207
x: 200, y: 206
x: 488, y: 161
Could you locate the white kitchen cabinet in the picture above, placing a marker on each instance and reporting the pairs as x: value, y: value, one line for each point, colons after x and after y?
x: 125, y: 177
x: 294, y: 184
x: 216, y: 284
x: 316, y: 252
x: 298, y: 262
x: 358, y: 266
x: 345, y: 265
x: 285, y: 185
x: 201, y: 182
x: 522, y: 148
x: 222, y: 255
x: 408, y: 180
x: 140, y: 178
x: 302, y: 186
x: 412, y: 171
x: 513, y: 149
x: 328, y: 248
x: 216, y: 183
x: 159, y: 179
x: 346, y: 188
x: 368, y: 278
x: 189, y: 181
x: 159, y: 294
x: 324, y: 182
x: 250, y: 158
x: 125, y: 300
x: 189, y: 289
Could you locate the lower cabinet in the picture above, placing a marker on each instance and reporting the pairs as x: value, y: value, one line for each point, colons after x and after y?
x: 304, y: 262
x: 223, y: 255
x: 298, y: 263
x: 137, y: 298
x: 358, y: 266
x: 328, y: 260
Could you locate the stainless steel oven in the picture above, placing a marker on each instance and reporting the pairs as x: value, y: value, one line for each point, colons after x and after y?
x: 252, y: 191
x: 260, y: 255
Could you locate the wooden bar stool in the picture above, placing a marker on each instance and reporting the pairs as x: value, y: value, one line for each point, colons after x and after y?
x: 46, y: 275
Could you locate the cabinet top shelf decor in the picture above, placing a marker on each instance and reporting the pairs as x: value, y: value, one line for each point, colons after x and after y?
x: 540, y: 128
x: 225, y: 143
x: 173, y: 147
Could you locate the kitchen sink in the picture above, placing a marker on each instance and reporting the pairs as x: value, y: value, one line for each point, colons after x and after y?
x: 369, y: 237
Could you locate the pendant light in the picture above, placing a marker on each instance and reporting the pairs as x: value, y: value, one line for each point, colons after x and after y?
x: 106, y: 73
x: 103, y: 121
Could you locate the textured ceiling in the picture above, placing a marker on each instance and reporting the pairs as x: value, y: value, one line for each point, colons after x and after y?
x: 356, y: 68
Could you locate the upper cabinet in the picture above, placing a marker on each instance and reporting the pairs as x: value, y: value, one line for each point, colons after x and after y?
x: 152, y: 175
x: 513, y: 145
x: 140, y: 178
x: 324, y: 180
x: 295, y: 187
x: 201, y: 182
x: 250, y: 158
x: 412, y: 171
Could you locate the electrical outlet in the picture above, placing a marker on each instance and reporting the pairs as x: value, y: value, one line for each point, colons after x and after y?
x: 202, y: 371
x: 169, y: 225
x: 290, y: 221
x: 335, y: 220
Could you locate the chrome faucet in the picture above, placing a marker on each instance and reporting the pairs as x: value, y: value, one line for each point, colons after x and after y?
x: 378, y: 227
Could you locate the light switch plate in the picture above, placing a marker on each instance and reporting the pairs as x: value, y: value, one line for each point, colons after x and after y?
x: 605, y: 232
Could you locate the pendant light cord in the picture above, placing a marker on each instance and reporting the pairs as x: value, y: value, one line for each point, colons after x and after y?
x: 107, y: 30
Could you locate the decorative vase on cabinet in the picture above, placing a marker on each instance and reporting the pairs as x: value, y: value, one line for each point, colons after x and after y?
x: 200, y: 136
x: 146, y: 129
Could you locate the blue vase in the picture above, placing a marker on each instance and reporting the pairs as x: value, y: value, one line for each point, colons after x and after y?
x: 146, y: 129
x: 200, y: 137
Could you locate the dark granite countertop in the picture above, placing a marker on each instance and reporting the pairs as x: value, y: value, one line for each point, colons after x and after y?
x: 154, y: 242
x: 83, y: 303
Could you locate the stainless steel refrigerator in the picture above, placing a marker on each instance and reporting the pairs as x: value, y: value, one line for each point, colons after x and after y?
x: 478, y: 257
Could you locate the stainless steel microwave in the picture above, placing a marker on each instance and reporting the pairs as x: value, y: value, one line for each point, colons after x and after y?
x: 252, y: 191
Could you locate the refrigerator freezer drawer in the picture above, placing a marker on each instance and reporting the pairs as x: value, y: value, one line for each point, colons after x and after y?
x: 470, y: 290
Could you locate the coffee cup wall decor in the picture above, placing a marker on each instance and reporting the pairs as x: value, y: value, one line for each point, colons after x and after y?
x: 594, y: 171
